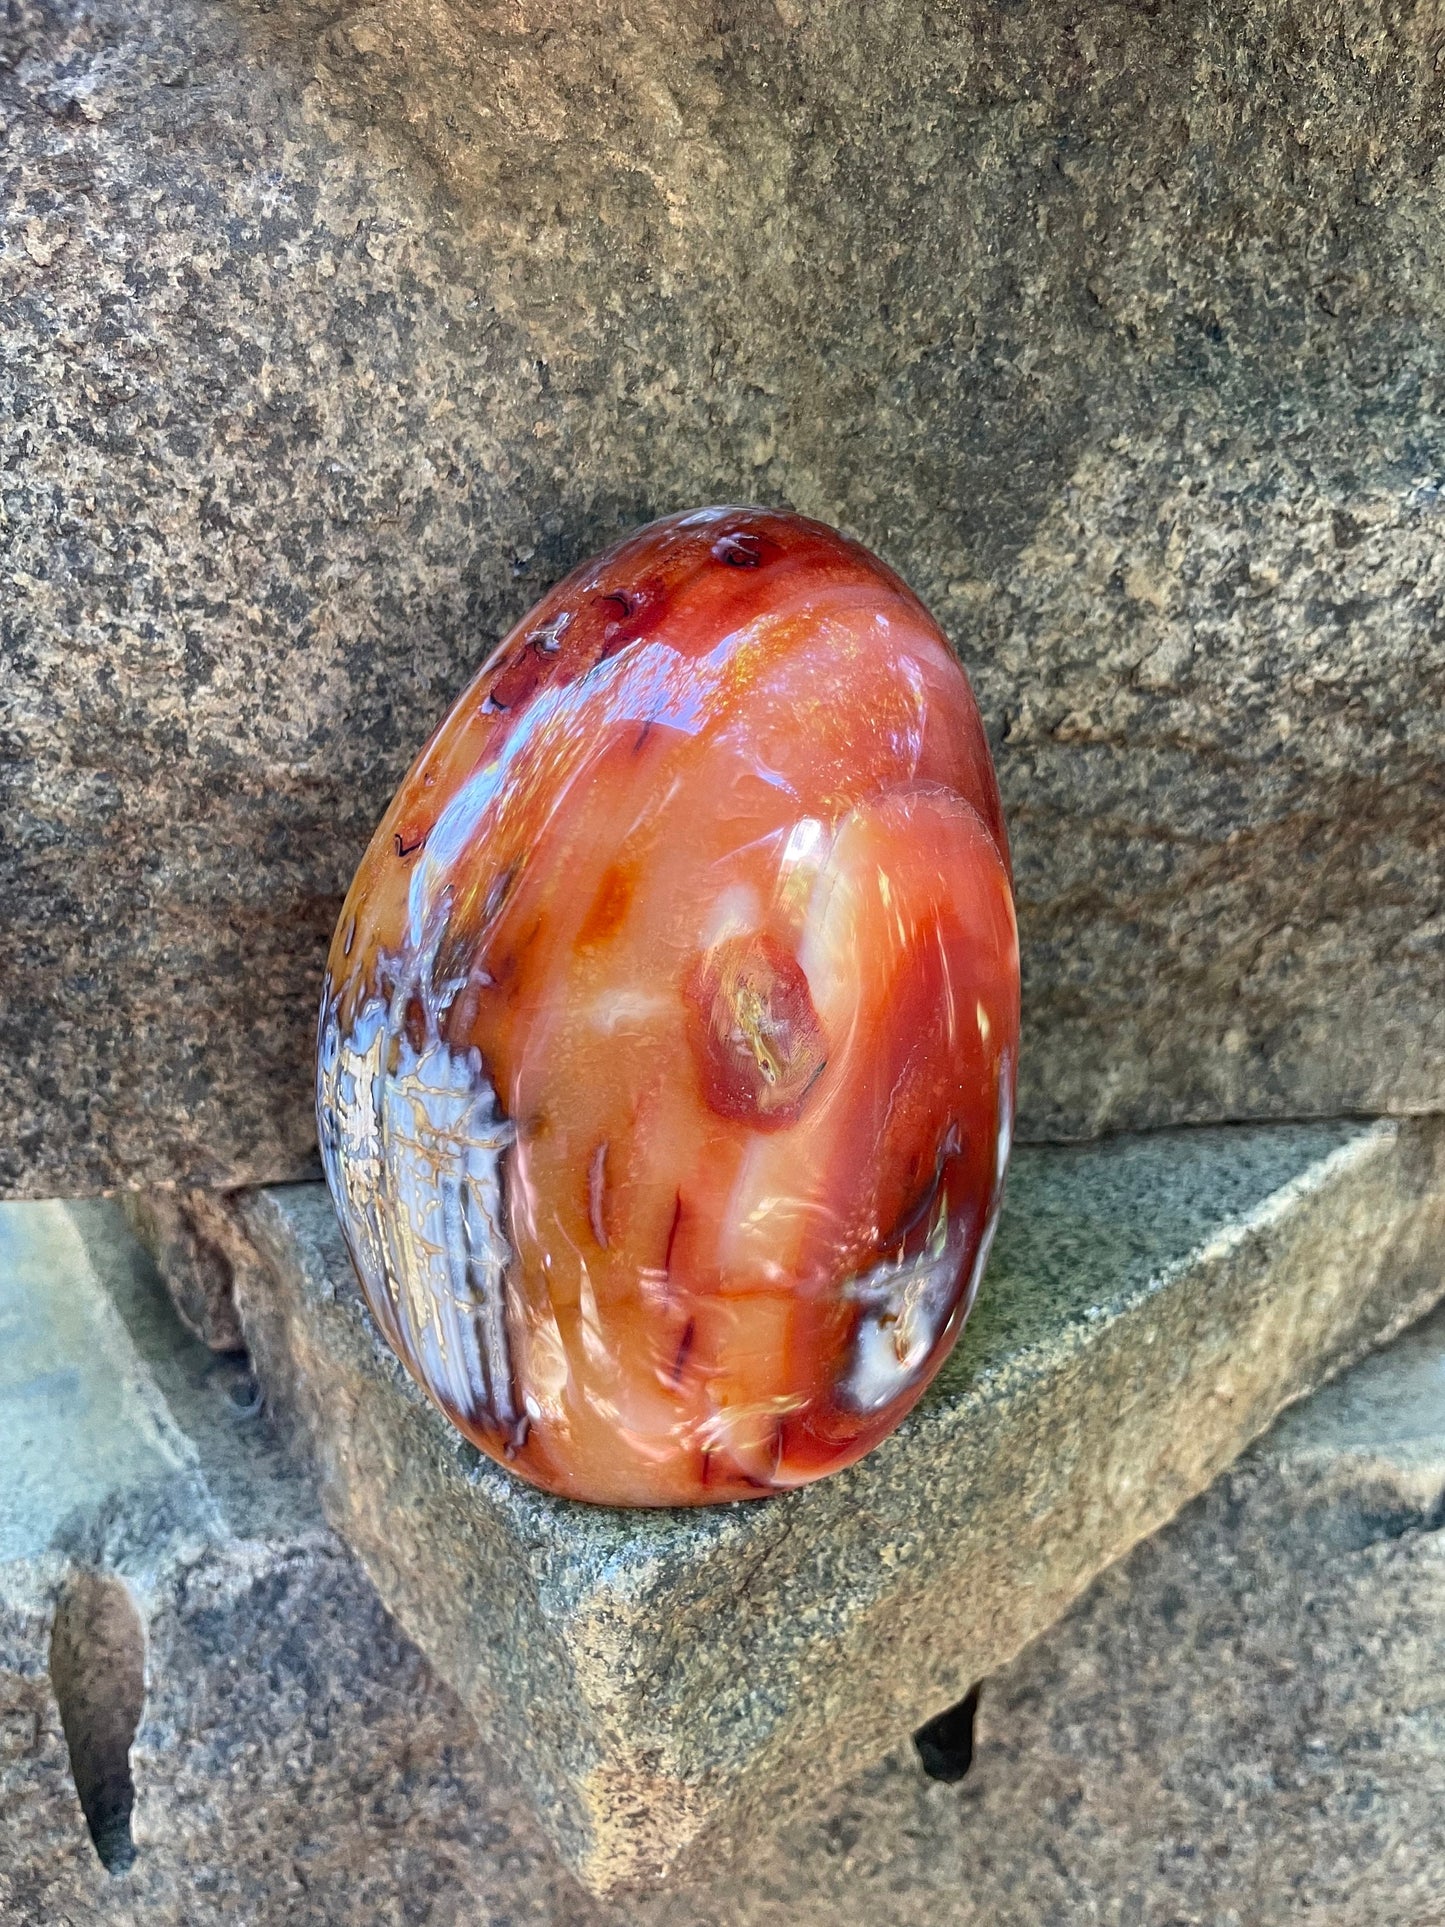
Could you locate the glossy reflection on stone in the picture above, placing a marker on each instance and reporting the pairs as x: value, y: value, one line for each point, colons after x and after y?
x: 667, y: 1049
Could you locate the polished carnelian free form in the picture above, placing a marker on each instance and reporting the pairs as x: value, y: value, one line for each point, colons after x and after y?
x: 668, y: 1042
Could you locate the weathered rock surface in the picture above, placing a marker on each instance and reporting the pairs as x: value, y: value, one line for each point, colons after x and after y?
x: 333, y: 335
x: 150, y: 1525
x: 1245, y: 1720
x: 1241, y: 1722
x: 667, y: 1684
x: 196, y: 1244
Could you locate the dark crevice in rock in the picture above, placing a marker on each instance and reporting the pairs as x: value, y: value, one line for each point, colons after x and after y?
x: 97, y: 1669
x: 1186, y: 1126
x: 945, y: 1745
x: 1376, y: 1517
x: 234, y: 1382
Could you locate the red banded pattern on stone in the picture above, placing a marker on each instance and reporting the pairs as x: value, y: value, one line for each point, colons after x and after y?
x: 668, y: 1043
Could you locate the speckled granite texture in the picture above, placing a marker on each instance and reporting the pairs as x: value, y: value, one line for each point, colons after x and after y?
x: 133, y: 1454
x: 333, y: 334
x: 667, y: 1684
x: 1241, y: 1722
x: 1245, y: 1720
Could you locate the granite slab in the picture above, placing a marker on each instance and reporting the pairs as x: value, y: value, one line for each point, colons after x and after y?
x: 668, y: 1683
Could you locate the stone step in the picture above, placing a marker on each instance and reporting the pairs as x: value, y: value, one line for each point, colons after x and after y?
x: 1244, y: 1721
x: 669, y: 1684
x: 1249, y: 1690
x: 1239, y: 1721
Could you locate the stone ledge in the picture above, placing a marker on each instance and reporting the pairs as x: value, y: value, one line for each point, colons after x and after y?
x: 1242, y: 1723
x: 666, y: 1682
x: 1241, y: 1720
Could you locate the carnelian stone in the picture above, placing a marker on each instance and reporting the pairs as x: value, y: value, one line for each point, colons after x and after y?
x: 668, y: 1042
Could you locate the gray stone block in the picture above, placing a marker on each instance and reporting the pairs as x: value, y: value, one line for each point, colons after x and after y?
x: 1241, y: 1722
x: 669, y: 1684
x: 333, y: 337
x: 188, y: 1656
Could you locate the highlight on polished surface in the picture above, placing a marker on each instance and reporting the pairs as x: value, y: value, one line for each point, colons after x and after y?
x: 668, y: 1042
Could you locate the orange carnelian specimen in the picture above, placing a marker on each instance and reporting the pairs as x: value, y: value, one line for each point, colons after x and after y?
x: 670, y: 1026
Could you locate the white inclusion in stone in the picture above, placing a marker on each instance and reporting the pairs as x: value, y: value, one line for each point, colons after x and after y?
x: 412, y: 1142
x: 807, y: 844
x: 906, y: 1304
x: 628, y: 1009
x: 1003, y: 1143
x: 736, y: 912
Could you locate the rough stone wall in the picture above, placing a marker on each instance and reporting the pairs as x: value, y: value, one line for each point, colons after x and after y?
x: 332, y: 335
